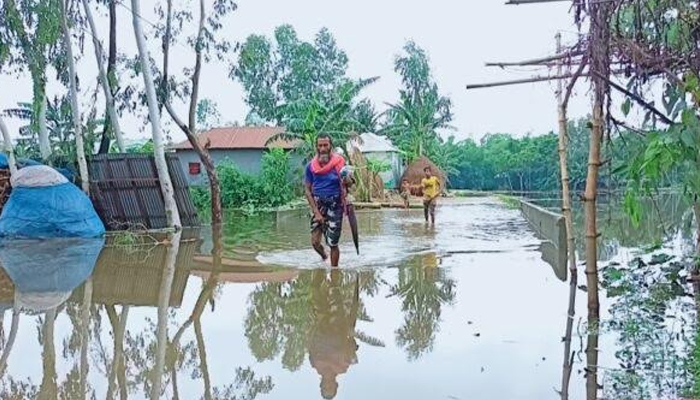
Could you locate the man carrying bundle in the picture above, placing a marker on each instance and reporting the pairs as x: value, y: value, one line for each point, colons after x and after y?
x: 326, y: 195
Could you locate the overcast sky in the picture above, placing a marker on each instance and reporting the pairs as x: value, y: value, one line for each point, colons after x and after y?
x: 459, y: 37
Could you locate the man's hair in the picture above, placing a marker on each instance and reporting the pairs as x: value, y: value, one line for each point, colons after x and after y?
x: 427, y: 169
x: 324, y: 136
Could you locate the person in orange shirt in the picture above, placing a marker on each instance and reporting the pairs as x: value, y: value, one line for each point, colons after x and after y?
x: 431, y: 191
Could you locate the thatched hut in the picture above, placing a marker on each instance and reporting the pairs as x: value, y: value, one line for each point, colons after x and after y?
x: 415, y: 172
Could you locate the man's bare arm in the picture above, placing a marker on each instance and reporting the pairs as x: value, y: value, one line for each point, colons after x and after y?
x: 312, y: 202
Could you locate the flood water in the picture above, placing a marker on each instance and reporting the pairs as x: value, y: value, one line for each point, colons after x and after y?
x: 465, y: 310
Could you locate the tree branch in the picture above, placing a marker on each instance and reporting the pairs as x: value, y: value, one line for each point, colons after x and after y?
x: 197, y: 69
x: 572, y: 83
x: 636, y: 98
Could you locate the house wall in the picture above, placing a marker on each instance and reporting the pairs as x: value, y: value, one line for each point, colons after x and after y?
x: 247, y: 160
x: 392, y: 177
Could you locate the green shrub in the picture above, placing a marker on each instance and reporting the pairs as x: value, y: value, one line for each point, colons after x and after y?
x: 275, y: 179
x: 273, y: 188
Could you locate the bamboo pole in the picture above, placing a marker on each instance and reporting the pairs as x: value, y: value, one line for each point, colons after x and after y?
x: 537, y: 61
x: 521, y: 81
x: 562, y: 105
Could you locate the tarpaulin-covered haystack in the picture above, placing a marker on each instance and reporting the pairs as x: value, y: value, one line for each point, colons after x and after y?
x: 44, y: 204
x: 368, y: 185
x: 415, y: 173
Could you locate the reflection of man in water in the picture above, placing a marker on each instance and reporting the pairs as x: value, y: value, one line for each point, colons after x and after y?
x: 332, y: 346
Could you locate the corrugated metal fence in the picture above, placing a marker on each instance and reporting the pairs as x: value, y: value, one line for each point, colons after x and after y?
x: 126, y: 191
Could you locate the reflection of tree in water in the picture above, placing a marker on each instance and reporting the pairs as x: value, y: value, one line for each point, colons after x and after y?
x: 156, y: 360
x: 423, y: 289
x: 653, y: 317
x: 280, y: 318
x: 135, y: 367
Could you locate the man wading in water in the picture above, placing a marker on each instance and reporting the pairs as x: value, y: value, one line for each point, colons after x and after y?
x: 431, y: 191
x: 326, y: 196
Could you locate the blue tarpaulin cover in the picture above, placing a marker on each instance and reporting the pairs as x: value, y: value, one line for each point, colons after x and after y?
x: 49, y: 212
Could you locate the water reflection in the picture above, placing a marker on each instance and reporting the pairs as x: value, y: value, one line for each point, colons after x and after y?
x: 332, y: 346
x: 157, y: 318
x: 423, y: 288
x: 42, y: 275
x: 284, y: 318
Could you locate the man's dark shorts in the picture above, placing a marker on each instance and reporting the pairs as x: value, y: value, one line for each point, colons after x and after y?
x: 429, y: 205
x: 331, y: 209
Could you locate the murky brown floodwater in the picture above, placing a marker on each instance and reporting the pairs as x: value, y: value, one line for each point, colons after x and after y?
x: 465, y: 310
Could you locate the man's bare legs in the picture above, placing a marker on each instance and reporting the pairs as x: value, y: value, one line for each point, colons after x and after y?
x: 335, y: 256
x: 316, y: 237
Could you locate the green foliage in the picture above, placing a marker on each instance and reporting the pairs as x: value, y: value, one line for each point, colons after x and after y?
x: 208, y: 115
x: 304, y: 87
x: 377, y: 166
x: 61, y: 131
x: 305, y: 119
x: 145, y: 148
x: 289, y: 71
x: 648, y: 305
x: 413, y: 123
x: 274, y: 186
x: 665, y: 157
x: 275, y: 179
x: 509, y: 201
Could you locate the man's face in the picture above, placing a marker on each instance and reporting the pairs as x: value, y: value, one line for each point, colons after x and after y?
x: 323, y: 147
x: 428, y: 173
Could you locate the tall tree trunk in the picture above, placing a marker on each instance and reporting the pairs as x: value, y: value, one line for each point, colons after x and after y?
x: 164, y: 94
x: 166, y: 184
x: 48, y: 388
x: 44, y: 142
x: 85, y: 337
x: 117, y: 368
x: 111, y: 77
x: 104, y: 81
x: 163, y: 303
x: 75, y: 110
x: 8, y: 147
x: 10, y: 341
x: 203, y: 365
x: 190, y: 130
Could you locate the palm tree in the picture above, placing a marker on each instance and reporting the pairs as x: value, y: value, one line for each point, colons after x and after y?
x: 413, y: 122
x: 307, y: 118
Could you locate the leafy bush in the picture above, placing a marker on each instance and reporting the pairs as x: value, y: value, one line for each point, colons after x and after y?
x: 275, y: 179
x: 274, y: 186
